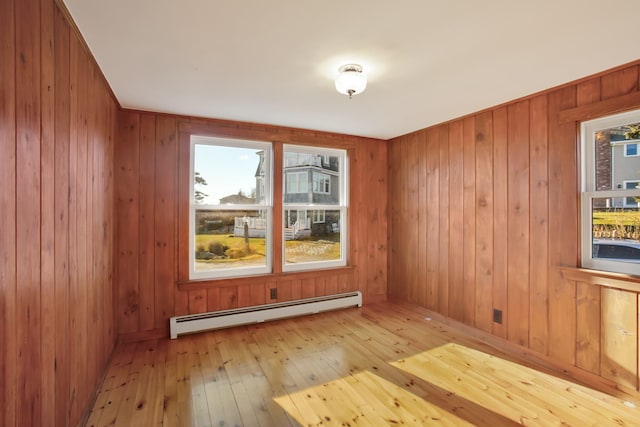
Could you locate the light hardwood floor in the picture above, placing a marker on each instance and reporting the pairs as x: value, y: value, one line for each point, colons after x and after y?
x: 384, y: 364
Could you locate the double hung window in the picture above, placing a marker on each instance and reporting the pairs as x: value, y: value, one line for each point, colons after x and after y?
x: 231, y: 207
x: 314, y: 223
x: 611, y: 193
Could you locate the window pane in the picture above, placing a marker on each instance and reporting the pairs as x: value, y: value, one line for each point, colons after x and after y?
x: 230, y: 239
x: 228, y: 175
x: 616, y: 159
x: 616, y: 231
x: 309, y: 240
x: 311, y: 178
x: 297, y: 183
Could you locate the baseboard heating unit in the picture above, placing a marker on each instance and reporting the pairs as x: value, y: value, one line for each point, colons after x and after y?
x: 180, y: 325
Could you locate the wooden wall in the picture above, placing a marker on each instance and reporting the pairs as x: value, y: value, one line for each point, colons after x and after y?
x: 57, y: 126
x: 484, y: 209
x: 152, y: 181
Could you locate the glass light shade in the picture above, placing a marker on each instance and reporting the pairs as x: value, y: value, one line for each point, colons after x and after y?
x: 351, y: 81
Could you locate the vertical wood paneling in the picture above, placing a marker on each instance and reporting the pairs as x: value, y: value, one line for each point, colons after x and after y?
x: 411, y: 233
x: 320, y: 287
x: 539, y: 226
x: 443, y: 243
x: 308, y: 287
x: 433, y: 217
x: 146, y: 222
x: 197, y: 301
x: 80, y: 291
x: 213, y: 299
x: 456, y: 215
x: 127, y: 160
x: 166, y: 155
x: 619, y: 345
x: 56, y: 263
x: 61, y: 227
x: 518, y: 223
x: 331, y: 285
x: 8, y: 256
x: 421, y: 219
x: 47, y: 206
x: 500, y: 223
x: 484, y: 221
x: 372, y: 240
x: 228, y: 298
x: 28, y: 214
x: 619, y: 82
x: 563, y: 227
x: 469, y: 221
x: 74, y: 53
x: 393, y: 212
x: 588, y: 327
x: 402, y: 226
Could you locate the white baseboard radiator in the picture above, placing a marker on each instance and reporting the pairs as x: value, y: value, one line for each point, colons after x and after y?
x: 180, y: 325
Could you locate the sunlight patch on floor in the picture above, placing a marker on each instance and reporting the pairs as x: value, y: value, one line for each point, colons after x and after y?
x: 516, y: 392
x: 363, y: 399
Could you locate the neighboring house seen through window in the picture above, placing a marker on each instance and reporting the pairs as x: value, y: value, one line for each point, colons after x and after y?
x: 314, y: 224
x: 230, y: 208
x: 611, y: 193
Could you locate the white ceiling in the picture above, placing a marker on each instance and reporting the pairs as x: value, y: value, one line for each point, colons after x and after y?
x: 274, y: 61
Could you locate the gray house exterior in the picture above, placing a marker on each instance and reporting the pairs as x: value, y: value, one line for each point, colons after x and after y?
x: 625, y: 169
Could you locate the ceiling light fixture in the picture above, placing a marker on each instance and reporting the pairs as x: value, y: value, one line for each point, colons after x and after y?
x: 351, y: 81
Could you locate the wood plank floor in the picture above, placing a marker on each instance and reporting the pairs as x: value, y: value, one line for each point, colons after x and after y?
x: 384, y: 364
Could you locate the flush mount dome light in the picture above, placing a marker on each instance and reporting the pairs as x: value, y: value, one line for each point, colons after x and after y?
x: 351, y: 81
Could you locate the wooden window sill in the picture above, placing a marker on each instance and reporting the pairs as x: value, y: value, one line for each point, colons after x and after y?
x: 193, y: 285
x: 607, y: 279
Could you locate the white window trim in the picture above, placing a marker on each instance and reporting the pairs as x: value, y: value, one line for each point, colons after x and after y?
x: 624, y: 184
x: 267, y: 205
x: 298, y: 174
x: 587, y: 135
x: 318, y: 216
x: 637, y: 149
x: 343, y: 205
x: 323, y: 178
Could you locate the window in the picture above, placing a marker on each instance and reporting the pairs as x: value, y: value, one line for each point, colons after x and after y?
x: 318, y: 217
x: 321, y: 183
x: 230, y: 208
x: 314, y: 225
x: 297, y: 182
x: 610, y: 194
x: 631, y: 202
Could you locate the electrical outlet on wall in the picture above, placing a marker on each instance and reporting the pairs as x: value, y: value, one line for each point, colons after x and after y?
x: 273, y: 293
x: 497, y: 316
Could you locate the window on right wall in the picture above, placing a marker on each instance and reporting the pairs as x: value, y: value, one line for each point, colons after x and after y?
x: 610, y: 202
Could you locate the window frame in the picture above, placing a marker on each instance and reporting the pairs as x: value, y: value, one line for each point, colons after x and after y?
x: 323, y: 178
x: 342, y: 206
x: 589, y: 192
x: 297, y: 173
x: 626, y: 146
x: 268, y: 148
x: 318, y: 216
x: 624, y: 183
